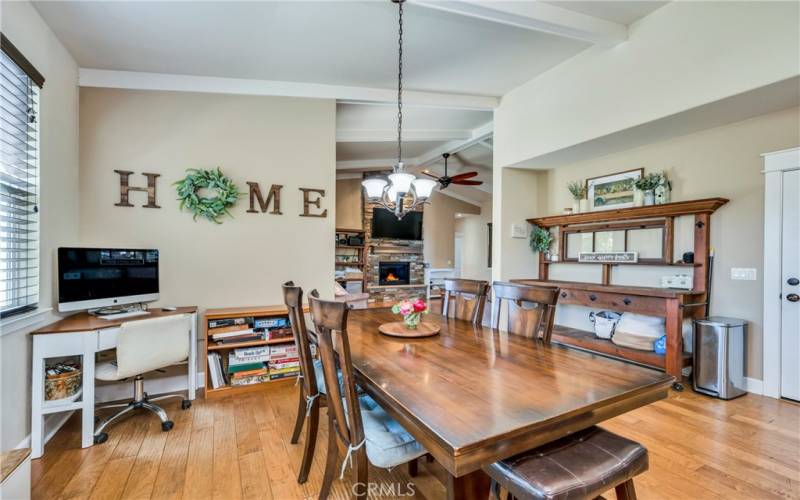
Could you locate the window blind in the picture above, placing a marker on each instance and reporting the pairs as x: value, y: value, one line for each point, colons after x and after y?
x: 19, y: 166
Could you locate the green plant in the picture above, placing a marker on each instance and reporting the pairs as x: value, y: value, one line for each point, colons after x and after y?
x: 210, y: 208
x: 577, y: 189
x: 540, y: 239
x: 648, y: 182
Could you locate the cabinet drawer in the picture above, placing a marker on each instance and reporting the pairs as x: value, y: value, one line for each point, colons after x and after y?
x: 107, y: 338
x: 653, y: 306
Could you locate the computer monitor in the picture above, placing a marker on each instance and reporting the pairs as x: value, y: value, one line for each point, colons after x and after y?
x: 90, y: 278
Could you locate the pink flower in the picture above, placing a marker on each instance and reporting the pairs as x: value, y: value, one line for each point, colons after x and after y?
x: 406, y: 307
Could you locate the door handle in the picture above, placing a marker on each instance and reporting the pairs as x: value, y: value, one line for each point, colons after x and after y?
x: 793, y: 297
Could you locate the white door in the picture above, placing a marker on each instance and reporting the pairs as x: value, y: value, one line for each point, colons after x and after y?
x: 790, y: 291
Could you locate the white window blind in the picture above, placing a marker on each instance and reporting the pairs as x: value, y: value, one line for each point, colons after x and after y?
x: 19, y: 183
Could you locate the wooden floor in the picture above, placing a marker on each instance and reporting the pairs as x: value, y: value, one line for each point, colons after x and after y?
x: 238, y: 447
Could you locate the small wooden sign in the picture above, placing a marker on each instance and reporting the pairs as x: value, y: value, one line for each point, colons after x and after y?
x: 609, y: 257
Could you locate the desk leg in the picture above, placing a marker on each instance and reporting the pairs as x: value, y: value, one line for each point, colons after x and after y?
x: 37, y: 398
x: 87, y: 412
x: 674, y: 357
x: 191, y: 370
x: 475, y: 485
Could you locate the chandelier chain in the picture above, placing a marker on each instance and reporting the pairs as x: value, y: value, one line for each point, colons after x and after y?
x: 400, y: 86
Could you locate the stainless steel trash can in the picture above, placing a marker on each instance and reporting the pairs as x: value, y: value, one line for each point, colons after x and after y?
x: 719, y: 356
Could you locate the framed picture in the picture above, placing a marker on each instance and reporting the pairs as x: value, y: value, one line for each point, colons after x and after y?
x: 610, y: 192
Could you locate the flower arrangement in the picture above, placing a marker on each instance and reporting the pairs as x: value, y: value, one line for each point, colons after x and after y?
x: 577, y: 189
x: 648, y: 182
x: 411, y: 311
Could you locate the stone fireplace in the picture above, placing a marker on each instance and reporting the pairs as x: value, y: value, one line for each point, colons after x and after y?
x: 394, y: 273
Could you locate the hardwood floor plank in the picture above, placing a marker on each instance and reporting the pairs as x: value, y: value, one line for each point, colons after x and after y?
x: 700, y: 448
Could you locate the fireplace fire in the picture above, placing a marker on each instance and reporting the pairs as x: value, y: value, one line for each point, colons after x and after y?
x: 394, y: 273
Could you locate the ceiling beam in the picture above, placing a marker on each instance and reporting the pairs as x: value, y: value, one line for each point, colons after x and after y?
x: 537, y: 16
x: 477, y: 135
x: 187, y: 83
x: 486, y: 145
x: 370, y: 164
x: 354, y: 135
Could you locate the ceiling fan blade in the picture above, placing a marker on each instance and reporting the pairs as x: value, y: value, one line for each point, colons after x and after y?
x: 465, y: 175
x: 468, y: 183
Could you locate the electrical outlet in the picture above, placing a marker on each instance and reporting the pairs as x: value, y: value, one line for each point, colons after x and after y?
x: 743, y: 273
x: 519, y: 230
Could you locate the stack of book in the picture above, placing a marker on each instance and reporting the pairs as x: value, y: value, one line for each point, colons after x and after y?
x: 274, y: 328
x: 283, y: 361
x: 248, y: 365
x: 234, y: 330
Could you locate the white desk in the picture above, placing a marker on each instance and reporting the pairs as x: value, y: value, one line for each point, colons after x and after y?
x: 84, y: 335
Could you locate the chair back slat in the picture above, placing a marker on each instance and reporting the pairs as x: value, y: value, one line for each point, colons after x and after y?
x: 293, y: 298
x: 330, y: 321
x: 464, y: 299
x: 531, y: 309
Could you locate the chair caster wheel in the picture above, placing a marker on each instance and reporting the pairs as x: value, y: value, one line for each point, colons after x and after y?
x: 186, y: 404
x: 165, y: 426
x: 677, y: 386
x: 100, y: 438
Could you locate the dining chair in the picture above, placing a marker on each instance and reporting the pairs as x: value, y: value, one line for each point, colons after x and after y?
x: 356, y: 423
x: 467, y: 297
x: 312, y: 389
x: 582, y: 465
x: 531, y: 309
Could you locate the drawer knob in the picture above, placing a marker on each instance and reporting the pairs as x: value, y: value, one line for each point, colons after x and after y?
x: 563, y: 295
x: 626, y: 301
x: 592, y: 297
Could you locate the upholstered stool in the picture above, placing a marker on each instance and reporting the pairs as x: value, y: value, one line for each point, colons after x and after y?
x: 582, y: 465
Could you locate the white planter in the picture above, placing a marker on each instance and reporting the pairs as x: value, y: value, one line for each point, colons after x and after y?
x: 584, y: 206
x: 649, y: 198
x: 576, y: 207
x: 638, y: 198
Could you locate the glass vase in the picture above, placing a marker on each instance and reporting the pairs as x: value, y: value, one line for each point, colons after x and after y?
x: 411, y: 320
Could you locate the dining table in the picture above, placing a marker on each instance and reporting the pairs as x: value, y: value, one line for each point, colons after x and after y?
x: 473, y: 395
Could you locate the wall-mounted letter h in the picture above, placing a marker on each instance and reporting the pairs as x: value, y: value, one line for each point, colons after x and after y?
x: 124, y: 188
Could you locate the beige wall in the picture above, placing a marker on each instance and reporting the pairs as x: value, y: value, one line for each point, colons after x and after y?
x: 474, y: 249
x: 269, y: 140
x: 349, y: 204
x: 681, y: 56
x: 723, y: 161
x: 438, y: 228
x: 58, y: 202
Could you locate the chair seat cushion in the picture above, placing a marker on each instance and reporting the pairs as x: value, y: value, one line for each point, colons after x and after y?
x: 388, y: 443
x: 106, y: 371
x: 582, y: 465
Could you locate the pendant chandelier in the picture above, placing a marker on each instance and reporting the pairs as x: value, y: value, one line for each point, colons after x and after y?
x: 391, y: 194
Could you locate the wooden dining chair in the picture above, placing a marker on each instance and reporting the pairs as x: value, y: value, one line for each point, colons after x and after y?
x: 531, y: 309
x: 356, y: 423
x: 466, y: 299
x: 312, y: 389
x: 582, y: 465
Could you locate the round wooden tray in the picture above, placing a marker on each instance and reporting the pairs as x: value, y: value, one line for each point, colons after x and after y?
x: 398, y: 329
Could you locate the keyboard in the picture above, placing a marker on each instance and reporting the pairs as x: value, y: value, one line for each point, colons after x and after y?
x: 123, y: 315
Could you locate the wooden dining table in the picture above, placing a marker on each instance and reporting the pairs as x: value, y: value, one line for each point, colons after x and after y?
x: 472, y: 395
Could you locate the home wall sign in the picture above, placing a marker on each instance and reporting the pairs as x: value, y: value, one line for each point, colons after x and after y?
x: 213, y: 207
x: 609, y: 257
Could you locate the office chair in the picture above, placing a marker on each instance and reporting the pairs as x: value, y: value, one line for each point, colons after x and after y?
x: 144, y: 346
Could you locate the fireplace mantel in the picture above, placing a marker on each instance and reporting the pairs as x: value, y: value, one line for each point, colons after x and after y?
x: 394, y: 249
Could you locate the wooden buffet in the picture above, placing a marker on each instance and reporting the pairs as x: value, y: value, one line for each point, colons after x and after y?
x: 673, y: 305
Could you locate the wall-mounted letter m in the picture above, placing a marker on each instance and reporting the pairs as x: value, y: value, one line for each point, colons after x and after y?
x: 124, y: 189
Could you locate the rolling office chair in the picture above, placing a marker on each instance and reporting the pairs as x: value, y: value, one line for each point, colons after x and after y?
x: 144, y: 346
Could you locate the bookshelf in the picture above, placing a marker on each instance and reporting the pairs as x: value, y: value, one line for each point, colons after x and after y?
x: 351, y: 256
x: 223, y: 349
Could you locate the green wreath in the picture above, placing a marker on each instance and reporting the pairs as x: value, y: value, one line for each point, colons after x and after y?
x: 209, y: 208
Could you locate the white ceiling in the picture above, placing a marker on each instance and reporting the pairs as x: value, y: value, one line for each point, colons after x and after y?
x: 457, y: 55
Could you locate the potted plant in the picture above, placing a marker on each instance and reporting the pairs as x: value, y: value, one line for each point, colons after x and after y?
x: 411, y: 311
x: 578, y: 191
x: 647, y: 184
x: 540, y: 240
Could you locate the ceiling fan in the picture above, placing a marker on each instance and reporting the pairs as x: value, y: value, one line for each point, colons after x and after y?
x: 462, y: 179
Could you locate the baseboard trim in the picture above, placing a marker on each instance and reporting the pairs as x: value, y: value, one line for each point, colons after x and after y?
x: 754, y: 385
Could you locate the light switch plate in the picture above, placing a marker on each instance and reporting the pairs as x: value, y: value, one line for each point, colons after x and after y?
x: 743, y: 273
